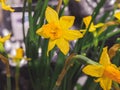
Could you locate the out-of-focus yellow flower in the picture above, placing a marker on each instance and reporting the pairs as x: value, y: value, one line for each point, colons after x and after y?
x: 117, y: 15
x: 6, y: 7
x: 105, y: 72
x: 5, y: 38
x: 57, y: 30
x: 93, y: 27
x: 19, y: 55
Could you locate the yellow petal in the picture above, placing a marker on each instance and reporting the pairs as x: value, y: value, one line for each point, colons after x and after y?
x: 99, y: 25
x: 87, y: 20
x: 51, y: 45
x: 5, y: 38
x: 117, y: 15
x: 106, y: 83
x: 72, y: 34
x: 93, y: 70
x: 63, y: 45
x: 42, y: 32
x: 104, y: 59
x: 51, y: 15
x: 92, y: 28
x: 7, y: 7
x: 67, y: 21
x: 19, y: 53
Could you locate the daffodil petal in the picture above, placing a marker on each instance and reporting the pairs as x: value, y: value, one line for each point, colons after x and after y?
x: 105, y: 59
x: 51, y: 45
x: 51, y: 15
x: 106, y: 83
x: 7, y: 7
x: 117, y: 15
x: 5, y: 38
x: 92, y: 28
x: 72, y: 34
x: 63, y: 45
x: 87, y: 20
x: 41, y: 31
x: 67, y: 21
x: 93, y: 70
x: 99, y: 25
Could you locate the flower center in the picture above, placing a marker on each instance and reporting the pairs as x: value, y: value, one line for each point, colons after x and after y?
x: 112, y: 73
x: 19, y: 53
x: 53, y: 31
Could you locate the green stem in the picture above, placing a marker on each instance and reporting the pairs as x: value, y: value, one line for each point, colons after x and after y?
x: 84, y: 59
x: 42, y: 13
x: 8, y: 83
x: 116, y: 86
x: 30, y: 14
x: 23, y: 19
x: 56, y: 88
x: 17, y: 73
x: 112, y: 34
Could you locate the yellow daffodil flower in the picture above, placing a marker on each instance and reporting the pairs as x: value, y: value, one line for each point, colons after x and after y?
x: 5, y: 38
x: 117, y: 15
x: 93, y: 27
x: 6, y: 7
x: 57, y: 30
x: 105, y: 72
x: 19, y: 55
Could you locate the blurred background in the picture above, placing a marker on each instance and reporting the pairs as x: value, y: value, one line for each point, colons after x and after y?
x: 12, y: 23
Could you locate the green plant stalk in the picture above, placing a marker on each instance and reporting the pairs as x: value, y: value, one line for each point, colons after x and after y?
x: 30, y: 14
x: 8, y: 82
x: 42, y: 13
x: 23, y: 19
x: 17, y: 73
x: 112, y: 34
x: 116, y: 86
x: 59, y: 66
x: 37, y: 12
x: 85, y: 60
